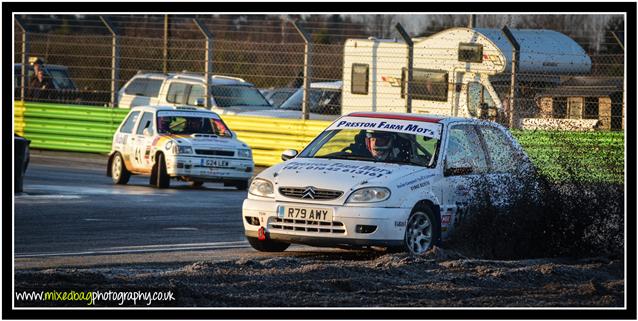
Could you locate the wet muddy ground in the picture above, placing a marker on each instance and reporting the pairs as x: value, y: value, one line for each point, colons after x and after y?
x: 440, y: 278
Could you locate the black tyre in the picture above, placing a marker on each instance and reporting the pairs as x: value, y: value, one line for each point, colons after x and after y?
x: 160, y: 178
x: 422, y: 231
x: 197, y: 183
x: 119, y: 173
x: 241, y: 185
x: 267, y: 245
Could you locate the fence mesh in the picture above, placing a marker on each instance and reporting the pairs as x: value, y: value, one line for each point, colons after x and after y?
x: 268, y: 51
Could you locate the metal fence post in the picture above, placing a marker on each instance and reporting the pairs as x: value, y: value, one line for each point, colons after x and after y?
x: 115, y: 59
x: 165, y: 53
x: 208, y: 68
x: 25, y: 54
x: 307, y: 73
x: 513, y: 117
x: 410, y: 43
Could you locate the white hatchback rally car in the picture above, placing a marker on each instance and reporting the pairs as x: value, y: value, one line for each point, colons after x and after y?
x: 187, y: 143
x: 379, y: 179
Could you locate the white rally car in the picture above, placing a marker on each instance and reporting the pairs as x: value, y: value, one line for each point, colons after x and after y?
x: 187, y: 143
x: 379, y: 179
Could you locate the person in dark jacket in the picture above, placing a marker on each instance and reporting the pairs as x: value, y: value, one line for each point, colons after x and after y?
x: 40, y: 87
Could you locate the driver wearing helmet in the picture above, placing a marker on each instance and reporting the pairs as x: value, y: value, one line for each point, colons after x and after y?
x: 164, y: 125
x: 384, y: 146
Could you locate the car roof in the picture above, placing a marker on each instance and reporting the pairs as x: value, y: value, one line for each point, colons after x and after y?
x: 430, y: 118
x: 327, y: 85
x: 218, y: 80
x: 172, y: 108
x: 48, y: 66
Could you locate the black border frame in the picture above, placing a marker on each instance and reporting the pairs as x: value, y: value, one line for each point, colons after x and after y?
x: 8, y: 8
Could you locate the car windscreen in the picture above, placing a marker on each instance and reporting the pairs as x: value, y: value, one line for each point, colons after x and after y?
x: 185, y: 124
x: 229, y: 95
x: 321, y: 101
x: 61, y: 78
x: 374, y: 146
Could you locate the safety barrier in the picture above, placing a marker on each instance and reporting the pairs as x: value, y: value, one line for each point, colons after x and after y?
x: 91, y: 129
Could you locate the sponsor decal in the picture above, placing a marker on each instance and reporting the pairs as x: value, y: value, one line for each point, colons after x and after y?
x: 121, y: 139
x: 414, y: 181
x: 399, y: 223
x: 364, y: 170
x: 393, y: 125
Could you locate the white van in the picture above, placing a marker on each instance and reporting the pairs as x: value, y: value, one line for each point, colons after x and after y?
x: 229, y: 95
x: 456, y: 72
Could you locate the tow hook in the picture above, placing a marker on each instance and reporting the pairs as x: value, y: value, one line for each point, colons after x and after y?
x: 261, y: 234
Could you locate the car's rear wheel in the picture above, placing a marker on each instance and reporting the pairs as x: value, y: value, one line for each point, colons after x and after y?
x: 197, y: 183
x: 422, y: 231
x: 240, y: 185
x: 160, y: 177
x: 119, y: 173
x: 267, y: 245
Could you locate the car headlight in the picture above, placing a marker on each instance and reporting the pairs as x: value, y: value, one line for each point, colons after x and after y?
x: 369, y: 195
x: 261, y: 187
x: 184, y: 149
x: 178, y: 149
x: 243, y: 153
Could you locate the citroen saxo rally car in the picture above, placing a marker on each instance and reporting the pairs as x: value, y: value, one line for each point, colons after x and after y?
x: 379, y: 179
x: 187, y: 143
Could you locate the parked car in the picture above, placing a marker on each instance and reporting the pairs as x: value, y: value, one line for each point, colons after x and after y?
x: 380, y: 179
x: 187, y: 143
x: 277, y: 96
x: 325, y: 103
x: 229, y: 95
x: 65, y: 88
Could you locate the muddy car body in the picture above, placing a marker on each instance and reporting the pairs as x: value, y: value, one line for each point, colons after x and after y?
x: 187, y: 143
x: 337, y: 193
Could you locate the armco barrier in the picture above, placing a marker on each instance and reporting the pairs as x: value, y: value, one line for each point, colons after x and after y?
x: 90, y: 129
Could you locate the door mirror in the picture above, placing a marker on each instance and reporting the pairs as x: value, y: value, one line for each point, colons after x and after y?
x: 461, y: 168
x: 289, y: 154
x: 200, y: 102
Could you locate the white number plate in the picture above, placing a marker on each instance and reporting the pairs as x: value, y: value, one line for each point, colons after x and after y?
x: 216, y: 163
x: 305, y: 213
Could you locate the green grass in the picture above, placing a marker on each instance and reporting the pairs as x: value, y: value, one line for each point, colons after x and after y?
x: 576, y: 156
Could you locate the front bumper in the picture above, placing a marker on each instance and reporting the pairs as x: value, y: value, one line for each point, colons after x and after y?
x: 390, y: 225
x: 194, y: 167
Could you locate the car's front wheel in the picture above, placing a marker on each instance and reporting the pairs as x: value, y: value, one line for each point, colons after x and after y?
x: 267, y: 245
x: 119, y: 173
x: 160, y: 177
x: 422, y: 231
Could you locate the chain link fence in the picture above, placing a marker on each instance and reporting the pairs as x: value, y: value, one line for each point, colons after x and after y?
x: 267, y: 51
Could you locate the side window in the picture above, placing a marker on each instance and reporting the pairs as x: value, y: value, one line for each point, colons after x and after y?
x: 464, y: 150
x: 144, y: 87
x: 359, y: 78
x: 426, y: 84
x: 176, y: 93
x: 130, y: 123
x: 502, y: 153
x: 153, y: 87
x: 470, y: 52
x: 196, y: 92
x: 146, y: 122
x: 136, y: 87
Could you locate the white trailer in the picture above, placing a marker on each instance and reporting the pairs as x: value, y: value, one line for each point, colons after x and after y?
x: 455, y: 72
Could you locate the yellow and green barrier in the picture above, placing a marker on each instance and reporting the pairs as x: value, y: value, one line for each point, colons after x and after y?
x: 90, y: 129
x: 592, y: 156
